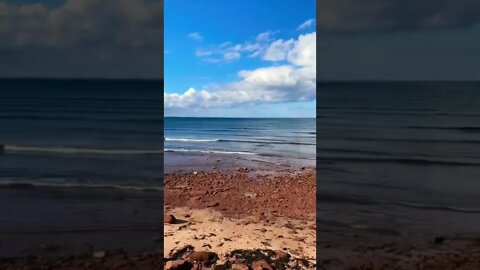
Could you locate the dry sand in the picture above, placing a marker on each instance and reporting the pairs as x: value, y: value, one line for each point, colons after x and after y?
x: 209, y: 230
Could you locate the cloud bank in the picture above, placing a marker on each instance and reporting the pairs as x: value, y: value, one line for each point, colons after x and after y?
x: 82, y: 38
x: 113, y: 23
x: 291, y: 78
x: 362, y: 16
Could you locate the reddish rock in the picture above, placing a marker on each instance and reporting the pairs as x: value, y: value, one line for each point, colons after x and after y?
x: 261, y: 265
x: 176, y: 265
x: 240, y: 266
x: 200, y: 256
x: 283, y: 256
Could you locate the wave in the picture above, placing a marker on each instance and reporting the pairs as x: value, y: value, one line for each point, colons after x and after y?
x: 190, y: 140
x: 73, y: 151
x: 232, y: 140
x: 210, y: 151
x: 438, y: 207
x: 348, y: 199
x: 268, y: 142
x: 31, y: 185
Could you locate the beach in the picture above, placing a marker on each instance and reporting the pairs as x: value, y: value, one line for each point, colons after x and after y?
x: 242, y: 209
x: 242, y: 190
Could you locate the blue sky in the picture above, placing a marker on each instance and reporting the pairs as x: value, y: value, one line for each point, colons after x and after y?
x: 254, y: 50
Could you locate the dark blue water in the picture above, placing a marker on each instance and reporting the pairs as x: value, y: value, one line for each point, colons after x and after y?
x: 402, y: 155
x: 250, y: 138
x: 63, y: 132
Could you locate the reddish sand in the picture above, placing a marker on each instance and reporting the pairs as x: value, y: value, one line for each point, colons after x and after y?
x: 244, y: 193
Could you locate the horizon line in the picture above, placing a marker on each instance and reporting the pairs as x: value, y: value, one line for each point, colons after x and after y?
x: 240, y: 117
x: 81, y: 79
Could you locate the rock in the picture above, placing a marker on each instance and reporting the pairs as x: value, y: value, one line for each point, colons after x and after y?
x: 213, y: 204
x: 240, y: 266
x: 200, y: 256
x: 176, y: 265
x: 250, y: 195
x: 283, y: 256
x: 195, y: 173
x: 263, y: 230
x: 261, y: 265
x: 99, y: 254
x: 170, y: 219
x: 197, y: 266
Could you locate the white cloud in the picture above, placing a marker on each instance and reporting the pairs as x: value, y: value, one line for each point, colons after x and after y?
x: 202, y: 53
x: 289, y: 82
x: 278, y: 50
x: 196, y: 36
x: 265, y: 36
x: 231, y: 55
x: 229, y: 52
x: 307, y: 24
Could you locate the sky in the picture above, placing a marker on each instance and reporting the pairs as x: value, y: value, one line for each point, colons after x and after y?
x: 81, y: 39
x: 240, y: 58
x: 398, y: 39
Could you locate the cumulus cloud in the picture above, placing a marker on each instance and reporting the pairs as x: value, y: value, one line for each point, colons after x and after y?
x: 354, y: 16
x: 108, y: 23
x: 307, y: 24
x: 196, y: 36
x: 289, y: 82
x: 278, y: 50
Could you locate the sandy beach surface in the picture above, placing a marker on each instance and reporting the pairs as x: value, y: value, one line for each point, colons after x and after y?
x: 272, y: 213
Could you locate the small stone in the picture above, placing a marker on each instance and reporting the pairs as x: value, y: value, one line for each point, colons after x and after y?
x: 170, y: 219
x: 261, y: 265
x: 240, y: 266
x: 195, y: 173
x: 200, y: 256
x: 213, y: 204
x: 250, y: 195
x: 283, y: 256
x: 174, y: 265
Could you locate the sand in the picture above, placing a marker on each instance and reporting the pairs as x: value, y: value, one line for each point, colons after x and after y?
x: 209, y: 230
x: 243, y: 209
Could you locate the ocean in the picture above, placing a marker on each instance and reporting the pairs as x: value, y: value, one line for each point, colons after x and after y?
x: 284, y: 142
x: 81, y: 132
x: 399, y: 156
